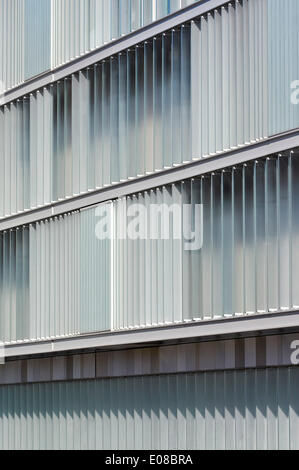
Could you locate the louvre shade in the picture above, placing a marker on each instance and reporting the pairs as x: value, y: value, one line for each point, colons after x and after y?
x: 122, y: 118
x: 203, y: 88
x: 180, y: 96
x: 75, y: 279
x: 54, y: 279
x: 12, y: 45
x: 249, y: 259
x: 80, y: 28
x: 229, y: 77
x: 54, y: 32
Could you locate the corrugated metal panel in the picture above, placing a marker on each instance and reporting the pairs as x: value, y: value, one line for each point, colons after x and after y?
x: 81, y: 26
x: 229, y: 77
x: 11, y: 43
x: 255, y: 409
x: 55, y: 278
x: 37, y: 30
x: 283, y: 65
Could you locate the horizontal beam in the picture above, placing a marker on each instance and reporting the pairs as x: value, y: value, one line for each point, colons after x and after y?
x: 218, y: 355
x: 272, y: 145
x: 212, y: 329
x: 110, y: 49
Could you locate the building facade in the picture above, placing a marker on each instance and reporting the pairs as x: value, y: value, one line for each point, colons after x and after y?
x: 119, y: 341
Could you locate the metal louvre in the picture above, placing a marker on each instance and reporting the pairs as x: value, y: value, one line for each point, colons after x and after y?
x: 25, y: 32
x: 95, y: 270
x: 114, y: 117
x: 152, y: 276
x: 81, y: 26
x: 14, y: 158
x: 37, y: 29
x: 252, y: 25
x: 14, y: 290
x: 26, y: 153
x: 229, y: 77
x: 149, y: 108
x: 249, y: 260
x: 55, y: 279
x: 122, y: 118
x: 12, y: 43
x: 39, y: 35
x: 283, y: 65
x: 237, y: 410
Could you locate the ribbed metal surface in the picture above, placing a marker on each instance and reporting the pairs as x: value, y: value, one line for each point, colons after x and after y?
x: 229, y: 77
x: 283, y: 65
x: 55, y: 279
x: 37, y: 48
x: 255, y: 409
x: 81, y: 26
x: 11, y: 43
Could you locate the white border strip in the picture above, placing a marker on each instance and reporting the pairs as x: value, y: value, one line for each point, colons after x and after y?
x: 212, y: 329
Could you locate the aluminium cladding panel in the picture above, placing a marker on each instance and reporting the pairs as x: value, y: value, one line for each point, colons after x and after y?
x: 283, y: 65
x: 11, y: 43
x: 233, y: 410
x: 55, y: 279
x: 82, y: 26
x: 245, y: 220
